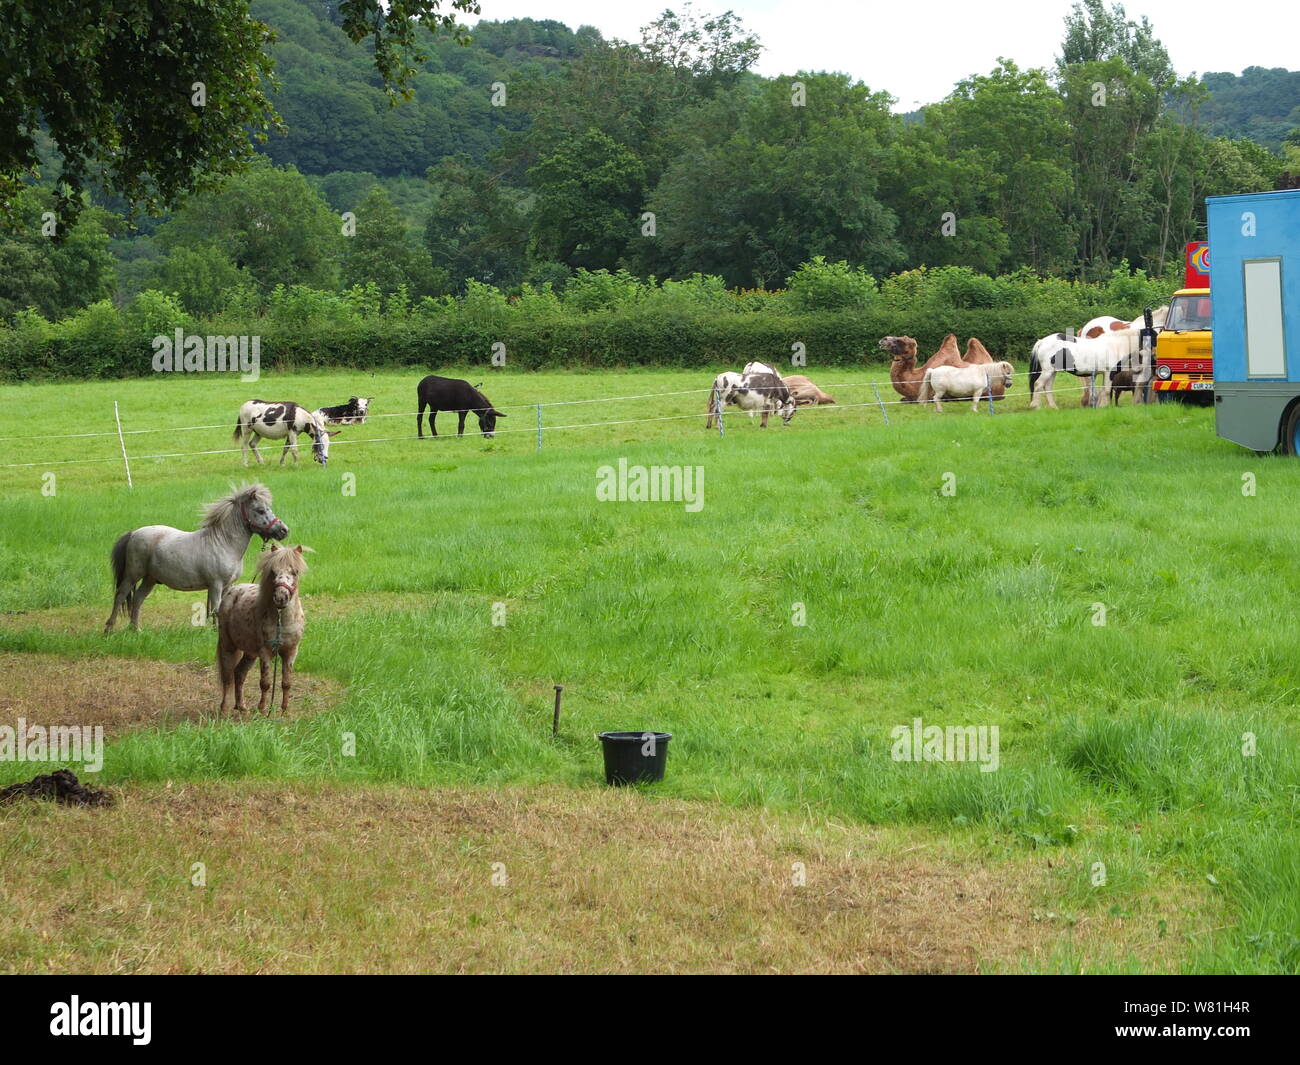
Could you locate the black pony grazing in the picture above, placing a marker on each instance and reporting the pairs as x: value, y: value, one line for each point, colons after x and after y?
x: 447, y: 393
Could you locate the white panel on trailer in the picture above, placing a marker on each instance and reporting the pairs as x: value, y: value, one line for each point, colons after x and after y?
x: 1265, y: 346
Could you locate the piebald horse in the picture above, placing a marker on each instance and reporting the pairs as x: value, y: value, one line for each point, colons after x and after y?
x: 1086, y: 357
x: 281, y: 421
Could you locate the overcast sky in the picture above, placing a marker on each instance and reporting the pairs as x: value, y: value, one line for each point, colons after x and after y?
x: 917, y: 49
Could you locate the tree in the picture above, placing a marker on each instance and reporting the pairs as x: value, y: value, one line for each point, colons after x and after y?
x: 156, y: 100
x: 381, y: 252
x: 475, y: 231
x: 1006, y: 133
x: 270, y: 221
x: 1113, y: 207
x: 1169, y: 160
x: 589, y: 195
x: 202, y: 277
x: 792, y: 182
x: 709, y: 54
x: 54, y: 277
x: 1094, y: 34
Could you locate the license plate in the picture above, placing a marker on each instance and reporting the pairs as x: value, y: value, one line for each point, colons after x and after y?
x: 1202, y: 386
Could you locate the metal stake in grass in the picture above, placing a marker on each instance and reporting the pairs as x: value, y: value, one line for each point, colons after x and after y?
x: 555, y: 721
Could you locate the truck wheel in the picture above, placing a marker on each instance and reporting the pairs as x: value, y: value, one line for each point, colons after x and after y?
x: 1291, y: 431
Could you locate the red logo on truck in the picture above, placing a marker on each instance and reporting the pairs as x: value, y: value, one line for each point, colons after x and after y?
x: 1197, y: 272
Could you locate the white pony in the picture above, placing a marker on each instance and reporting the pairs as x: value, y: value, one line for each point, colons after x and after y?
x: 1086, y: 357
x: 281, y: 421
x: 211, y: 558
x: 961, y: 381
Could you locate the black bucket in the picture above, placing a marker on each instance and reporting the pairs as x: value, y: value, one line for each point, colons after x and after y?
x: 634, y: 757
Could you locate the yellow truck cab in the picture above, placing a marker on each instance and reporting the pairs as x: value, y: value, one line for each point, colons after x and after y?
x: 1184, y: 356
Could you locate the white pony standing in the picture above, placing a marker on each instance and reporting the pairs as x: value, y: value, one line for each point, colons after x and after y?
x: 209, y: 559
x: 976, y: 381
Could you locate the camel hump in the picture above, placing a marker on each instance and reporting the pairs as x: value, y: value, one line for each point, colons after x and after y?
x: 976, y: 352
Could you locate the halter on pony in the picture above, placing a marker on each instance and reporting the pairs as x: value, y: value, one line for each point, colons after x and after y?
x: 264, y: 531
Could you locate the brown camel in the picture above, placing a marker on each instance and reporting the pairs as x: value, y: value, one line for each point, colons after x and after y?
x: 903, y: 371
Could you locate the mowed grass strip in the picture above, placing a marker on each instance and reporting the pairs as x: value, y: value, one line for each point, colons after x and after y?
x: 329, y: 879
x: 1095, y: 583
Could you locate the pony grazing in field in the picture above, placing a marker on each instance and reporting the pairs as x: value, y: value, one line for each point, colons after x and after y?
x: 453, y: 394
x: 262, y: 621
x: 941, y: 382
x: 353, y: 412
x: 1084, y: 358
x: 761, y: 391
x: 209, y: 559
x: 281, y: 421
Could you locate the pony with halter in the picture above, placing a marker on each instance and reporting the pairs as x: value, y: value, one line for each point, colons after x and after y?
x: 262, y: 622
x: 209, y: 559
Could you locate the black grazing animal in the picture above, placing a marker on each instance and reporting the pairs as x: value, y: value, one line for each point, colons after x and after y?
x: 353, y: 412
x: 448, y: 393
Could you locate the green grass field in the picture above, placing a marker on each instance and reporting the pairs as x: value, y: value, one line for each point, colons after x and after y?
x: 952, y: 568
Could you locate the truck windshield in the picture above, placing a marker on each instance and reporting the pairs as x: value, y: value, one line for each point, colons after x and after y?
x: 1189, y: 312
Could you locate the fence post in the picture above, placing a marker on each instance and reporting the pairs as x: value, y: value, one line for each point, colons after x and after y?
x: 717, y: 406
x: 990, y: 383
x: 539, y: 427
x: 881, y: 402
x: 122, y: 440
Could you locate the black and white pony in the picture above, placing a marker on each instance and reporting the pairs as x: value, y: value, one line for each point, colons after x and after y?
x: 281, y: 421
x: 763, y: 391
x: 353, y: 412
x: 1087, y: 357
x: 758, y: 389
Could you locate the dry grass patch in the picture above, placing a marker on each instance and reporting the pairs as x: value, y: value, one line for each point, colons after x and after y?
x: 122, y: 694
x: 326, y: 879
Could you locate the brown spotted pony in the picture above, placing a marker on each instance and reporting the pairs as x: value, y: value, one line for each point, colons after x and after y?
x: 261, y: 622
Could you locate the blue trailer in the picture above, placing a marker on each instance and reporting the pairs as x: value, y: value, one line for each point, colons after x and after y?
x: 1255, y: 278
